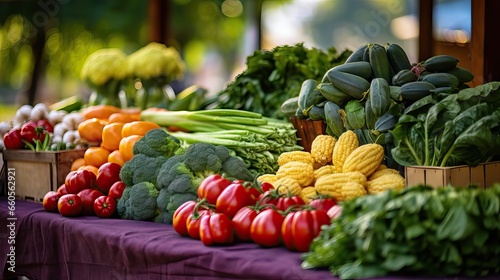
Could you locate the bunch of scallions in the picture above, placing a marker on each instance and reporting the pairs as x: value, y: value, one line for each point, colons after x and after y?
x: 256, y: 139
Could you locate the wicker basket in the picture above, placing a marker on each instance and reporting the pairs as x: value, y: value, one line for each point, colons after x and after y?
x: 307, y: 130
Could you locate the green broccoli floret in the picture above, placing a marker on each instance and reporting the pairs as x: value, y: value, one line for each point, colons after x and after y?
x: 163, y: 199
x: 164, y: 218
x: 177, y: 199
x: 141, y: 203
x: 157, y: 142
x: 141, y: 168
x: 168, y: 203
x: 235, y: 167
x: 205, y: 158
x: 120, y: 205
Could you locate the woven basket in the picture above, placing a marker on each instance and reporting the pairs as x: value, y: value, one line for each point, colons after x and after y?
x: 307, y: 130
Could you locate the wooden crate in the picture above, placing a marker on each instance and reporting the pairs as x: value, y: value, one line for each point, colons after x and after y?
x: 482, y: 176
x: 39, y: 172
x: 307, y: 130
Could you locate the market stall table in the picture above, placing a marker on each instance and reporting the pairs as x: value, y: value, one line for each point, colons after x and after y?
x: 50, y: 246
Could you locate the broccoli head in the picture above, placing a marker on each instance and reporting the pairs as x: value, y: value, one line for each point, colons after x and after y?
x: 141, y: 168
x: 141, y: 203
x: 206, y: 158
x: 157, y: 142
x: 177, y: 199
x: 235, y: 167
x: 120, y: 205
x: 176, y: 177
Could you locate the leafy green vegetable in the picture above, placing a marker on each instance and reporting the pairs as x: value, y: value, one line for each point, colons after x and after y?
x: 419, y: 230
x: 462, y: 128
x: 273, y: 76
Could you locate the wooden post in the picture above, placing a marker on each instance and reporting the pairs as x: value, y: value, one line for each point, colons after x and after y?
x: 426, y: 39
x: 159, y: 12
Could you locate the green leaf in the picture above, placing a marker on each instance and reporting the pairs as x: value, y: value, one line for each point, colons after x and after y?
x: 397, y: 262
x: 454, y: 224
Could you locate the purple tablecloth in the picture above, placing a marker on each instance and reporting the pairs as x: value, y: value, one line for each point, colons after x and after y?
x: 50, y: 246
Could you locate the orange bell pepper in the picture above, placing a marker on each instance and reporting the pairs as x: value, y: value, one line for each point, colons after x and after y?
x: 99, y: 111
x: 138, y: 128
x: 124, y: 117
x: 126, y: 146
x: 116, y: 157
x: 91, y: 130
x: 77, y: 163
x: 90, y: 168
x: 111, y: 136
x: 96, y: 156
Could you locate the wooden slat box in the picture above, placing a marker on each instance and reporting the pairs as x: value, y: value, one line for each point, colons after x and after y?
x: 39, y: 172
x: 483, y: 176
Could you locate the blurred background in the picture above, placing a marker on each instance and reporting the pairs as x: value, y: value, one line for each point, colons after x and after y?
x: 44, y: 43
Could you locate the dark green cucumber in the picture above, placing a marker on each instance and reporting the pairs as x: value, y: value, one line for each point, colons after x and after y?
x: 463, y: 75
x: 416, y: 90
x: 358, y: 68
x: 370, y: 117
x: 316, y: 113
x: 441, y: 79
x: 358, y: 54
x: 333, y: 120
x: 397, y: 57
x: 379, y: 62
x: 309, y: 95
x: 395, y: 93
x: 332, y: 93
x: 300, y: 115
x: 353, y: 85
x: 385, y: 123
x: 290, y: 106
x: 440, y: 63
x: 380, y: 96
x: 404, y: 76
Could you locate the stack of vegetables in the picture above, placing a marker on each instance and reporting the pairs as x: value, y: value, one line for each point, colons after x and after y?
x: 338, y: 168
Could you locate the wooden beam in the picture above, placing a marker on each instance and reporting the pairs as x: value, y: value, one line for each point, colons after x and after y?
x: 159, y: 21
x: 477, y: 40
x: 426, y: 39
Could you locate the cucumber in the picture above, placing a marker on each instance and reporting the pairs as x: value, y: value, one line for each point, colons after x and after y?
x: 358, y: 68
x: 404, y: 76
x: 370, y: 117
x: 463, y: 75
x: 442, y: 79
x: 395, y: 92
x: 440, y: 63
x: 70, y: 104
x: 416, y: 90
x: 358, y: 54
x: 385, y: 123
x: 353, y: 85
x: 290, y: 106
x: 333, y: 119
x: 332, y: 93
x: 380, y: 96
x: 317, y: 113
x: 309, y: 95
x: 380, y: 62
x: 397, y: 57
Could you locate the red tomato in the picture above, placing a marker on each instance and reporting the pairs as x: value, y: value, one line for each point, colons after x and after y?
x: 180, y: 217
x: 88, y: 197
x: 322, y: 203
x: 242, y: 222
x: 79, y: 180
x: 193, y: 223
x: 266, y: 228
x: 334, y: 212
x: 12, y: 139
x: 211, y: 187
x: 265, y: 186
x: 62, y: 190
x: 281, y: 201
x: 50, y: 201
x: 104, y: 206
x: 216, y: 229
x: 116, y: 190
x: 70, y: 205
x: 301, y: 227
x: 233, y: 198
x: 107, y: 175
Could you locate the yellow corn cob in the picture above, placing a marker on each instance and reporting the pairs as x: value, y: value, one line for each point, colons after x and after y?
x: 380, y: 167
x: 302, y: 172
x: 270, y: 178
x: 382, y: 172
x: 300, y: 156
x: 385, y: 182
x: 346, y: 144
x: 332, y: 184
x: 287, y: 184
x: 365, y: 159
x: 324, y: 170
x: 351, y: 190
x: 322, y: 149
x: 308, y: 193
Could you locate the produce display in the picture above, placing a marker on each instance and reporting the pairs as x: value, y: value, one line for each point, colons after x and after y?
x: 235, y: 172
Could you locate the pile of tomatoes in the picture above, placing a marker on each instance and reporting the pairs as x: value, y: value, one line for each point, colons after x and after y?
x: 230, y: 211
x: 84, y: 193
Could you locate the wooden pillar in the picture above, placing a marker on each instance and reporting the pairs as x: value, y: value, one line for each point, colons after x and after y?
x: 485, y: 57
x: 426, y: 39
x: 159, y: 12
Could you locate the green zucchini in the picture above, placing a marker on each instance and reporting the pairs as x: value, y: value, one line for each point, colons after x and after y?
x: 358, y: 54
x: 290, y: 106
x: 333, y: 119
x: 316, y: 113
x: 397, y: 57
x: 380, y: 96
x: 440, y: 63
x: 395, y: 92
x: 463, y: 75
x: 442, y: 79
x: 353, y: 85
x: 416, y: 90
x: 309, y: 95
x: 380, y: 62
x: 332, y: 93
x: 404, y: 76
x: 358, y: 68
